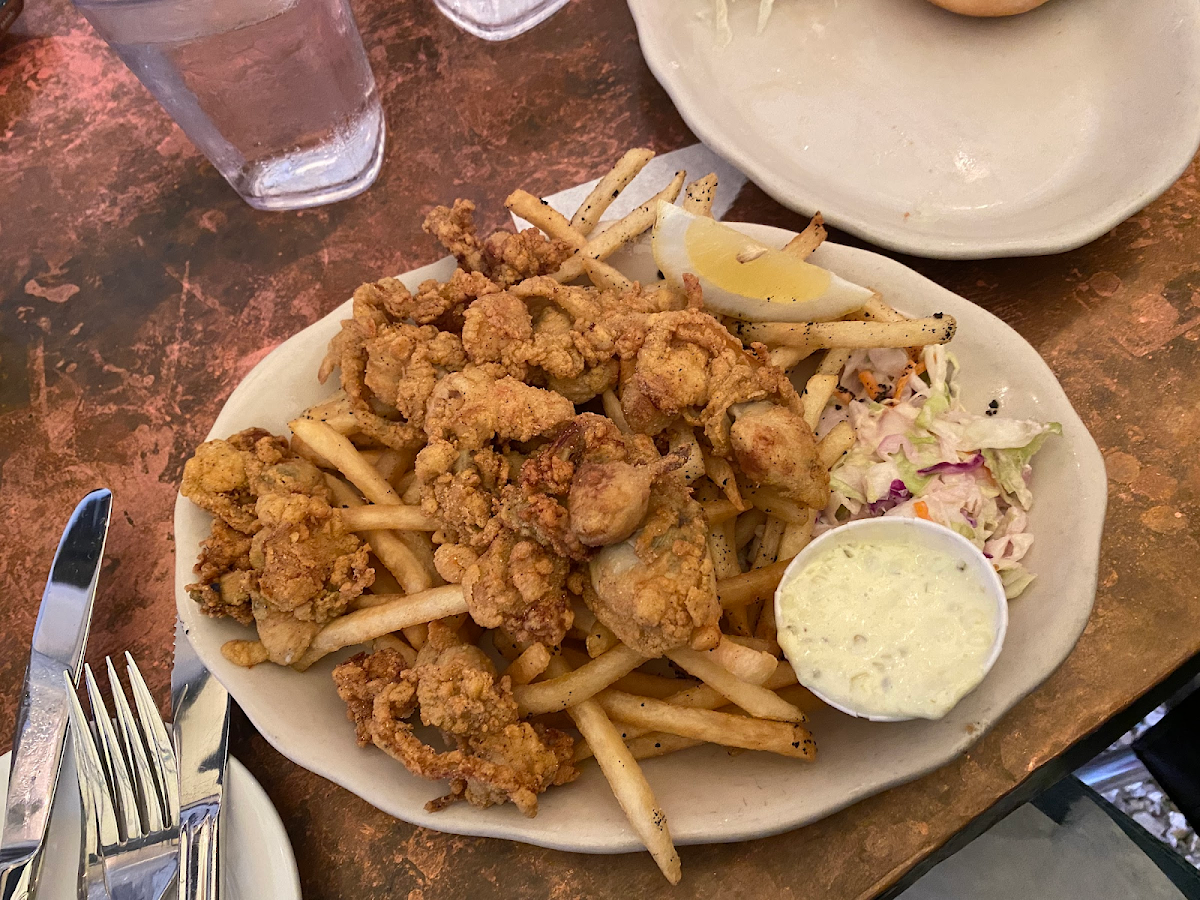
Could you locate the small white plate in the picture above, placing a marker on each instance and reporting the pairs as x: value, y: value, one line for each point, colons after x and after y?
x: 259, y: 861
x: 938, y: 134
x: 708, y: 795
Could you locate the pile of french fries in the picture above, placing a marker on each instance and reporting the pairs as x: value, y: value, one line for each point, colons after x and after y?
x: 741, y: 694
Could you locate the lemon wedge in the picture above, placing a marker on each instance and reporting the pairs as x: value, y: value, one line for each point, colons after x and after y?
x: 744, y: 278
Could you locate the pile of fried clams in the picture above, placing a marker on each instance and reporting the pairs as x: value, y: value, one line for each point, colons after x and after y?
x: 495, y: 378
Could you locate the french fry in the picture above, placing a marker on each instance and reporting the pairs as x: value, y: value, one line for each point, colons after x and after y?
x: 816, y: 394
x: 753, y: 698
x: 701, y: 696
x: 604, y: 276
x: 747, y: 525
x: 608, y: 188
x: 752, y: 642
x: 628, y: 785
x: 657, y: 743
x: 875, y: 308
x: 620, y: 232
x: 718, y: 511
x: 783, y: 738
x: 813, y: 336
x: 768, y: 547
x: 797, y: 535
x: 600, y: 640
x: 529, y: 665
x: 544, y: 216
x: 389, y: 518
x: 650, y: 685
x: 345, y: 457
x: 367, y: 624
x: 417, y: 635
x: 833, y: 362
x: 505, y: 644
x: 698, y: 196
x: 808, y: 240
x: 746, y: 663
x: 612, y: 409
x: 757, y: 584
x: 724, y: 554
x: 720, y: 473
x: 787, y: 357
x: 834, y: 445
x: 775, y: 504
x: 579, y: 685
x: 765, y: 629
x: 392, y: 464
x: 408, y: 568
x: 625, y: 778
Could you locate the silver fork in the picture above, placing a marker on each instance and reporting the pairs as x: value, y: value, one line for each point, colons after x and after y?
x: 128, y: 790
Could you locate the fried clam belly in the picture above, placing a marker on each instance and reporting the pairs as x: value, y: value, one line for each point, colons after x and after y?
x: 775, y: 448
x: 497, y: 758
x: 685, y: 363
x: 307, y: 567
x: 504, y: 257
x: 588, y: 486
x: 224, y: 477
x: 460, y: 470
x: 519, y: 585
x: 656, y: 590
x: 391, y: 354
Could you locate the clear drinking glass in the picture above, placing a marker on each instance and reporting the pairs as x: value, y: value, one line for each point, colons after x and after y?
x: 278, y: 94
x: 498, y: 20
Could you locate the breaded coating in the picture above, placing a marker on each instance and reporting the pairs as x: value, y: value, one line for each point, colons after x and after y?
x: 497, y: 757
x: 505, y: 258
x: 472, y: 408
x: 656, y: 590
x: 686, y: 364
x: 223, y: 476
x: 519, y: 585
x: 288, y: 564
x: 775, y: 448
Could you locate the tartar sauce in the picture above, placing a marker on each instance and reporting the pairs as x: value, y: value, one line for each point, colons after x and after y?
x: 887, y: 628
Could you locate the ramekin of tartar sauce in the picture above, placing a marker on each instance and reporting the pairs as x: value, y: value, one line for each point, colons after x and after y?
x: 891, y: 618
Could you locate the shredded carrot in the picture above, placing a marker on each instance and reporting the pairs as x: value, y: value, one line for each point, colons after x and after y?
x: 921, y: 509
x: 869, y: 382
x: 844, y: 396
x: 913, y: 368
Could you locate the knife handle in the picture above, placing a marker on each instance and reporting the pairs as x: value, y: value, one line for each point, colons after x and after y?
x: 200, y: 857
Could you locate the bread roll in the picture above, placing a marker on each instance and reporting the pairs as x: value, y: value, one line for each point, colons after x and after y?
x: 988, y: 7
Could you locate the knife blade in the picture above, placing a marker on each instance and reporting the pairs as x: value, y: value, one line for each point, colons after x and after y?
x: 201, y: 714
x: 59, y: 638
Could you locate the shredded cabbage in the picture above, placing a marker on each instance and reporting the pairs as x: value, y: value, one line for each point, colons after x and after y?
x: 898, y: 441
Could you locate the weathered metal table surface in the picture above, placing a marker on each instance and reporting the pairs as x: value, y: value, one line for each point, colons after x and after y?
x: 138, y: 290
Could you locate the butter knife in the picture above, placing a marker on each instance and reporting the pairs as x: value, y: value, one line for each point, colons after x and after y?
x: 201, y: 707
x: 59, y: 638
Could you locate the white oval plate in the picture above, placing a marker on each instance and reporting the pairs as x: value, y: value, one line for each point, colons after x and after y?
x: 708, y: 794
x: 259, y: 864
x: 938, y: 134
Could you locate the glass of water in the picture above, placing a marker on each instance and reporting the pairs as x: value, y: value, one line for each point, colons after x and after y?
x: 498, y: 20
x: 276, y: 93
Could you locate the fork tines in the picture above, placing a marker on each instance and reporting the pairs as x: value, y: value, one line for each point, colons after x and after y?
x: 126, y: 765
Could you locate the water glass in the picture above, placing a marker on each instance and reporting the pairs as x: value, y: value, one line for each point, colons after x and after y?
x: 278, y: 94
x: 498, y: 20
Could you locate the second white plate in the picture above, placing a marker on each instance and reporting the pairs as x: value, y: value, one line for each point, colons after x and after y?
x: 937, y: 134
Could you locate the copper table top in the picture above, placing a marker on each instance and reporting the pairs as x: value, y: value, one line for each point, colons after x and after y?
x: 138, y: 290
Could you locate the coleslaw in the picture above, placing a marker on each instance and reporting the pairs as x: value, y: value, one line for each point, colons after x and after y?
x: 919, y: 453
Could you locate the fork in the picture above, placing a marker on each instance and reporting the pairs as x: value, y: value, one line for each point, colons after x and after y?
x: 128, y: 791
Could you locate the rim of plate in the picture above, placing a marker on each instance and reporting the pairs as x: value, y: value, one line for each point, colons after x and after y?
x: 707, y: 126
